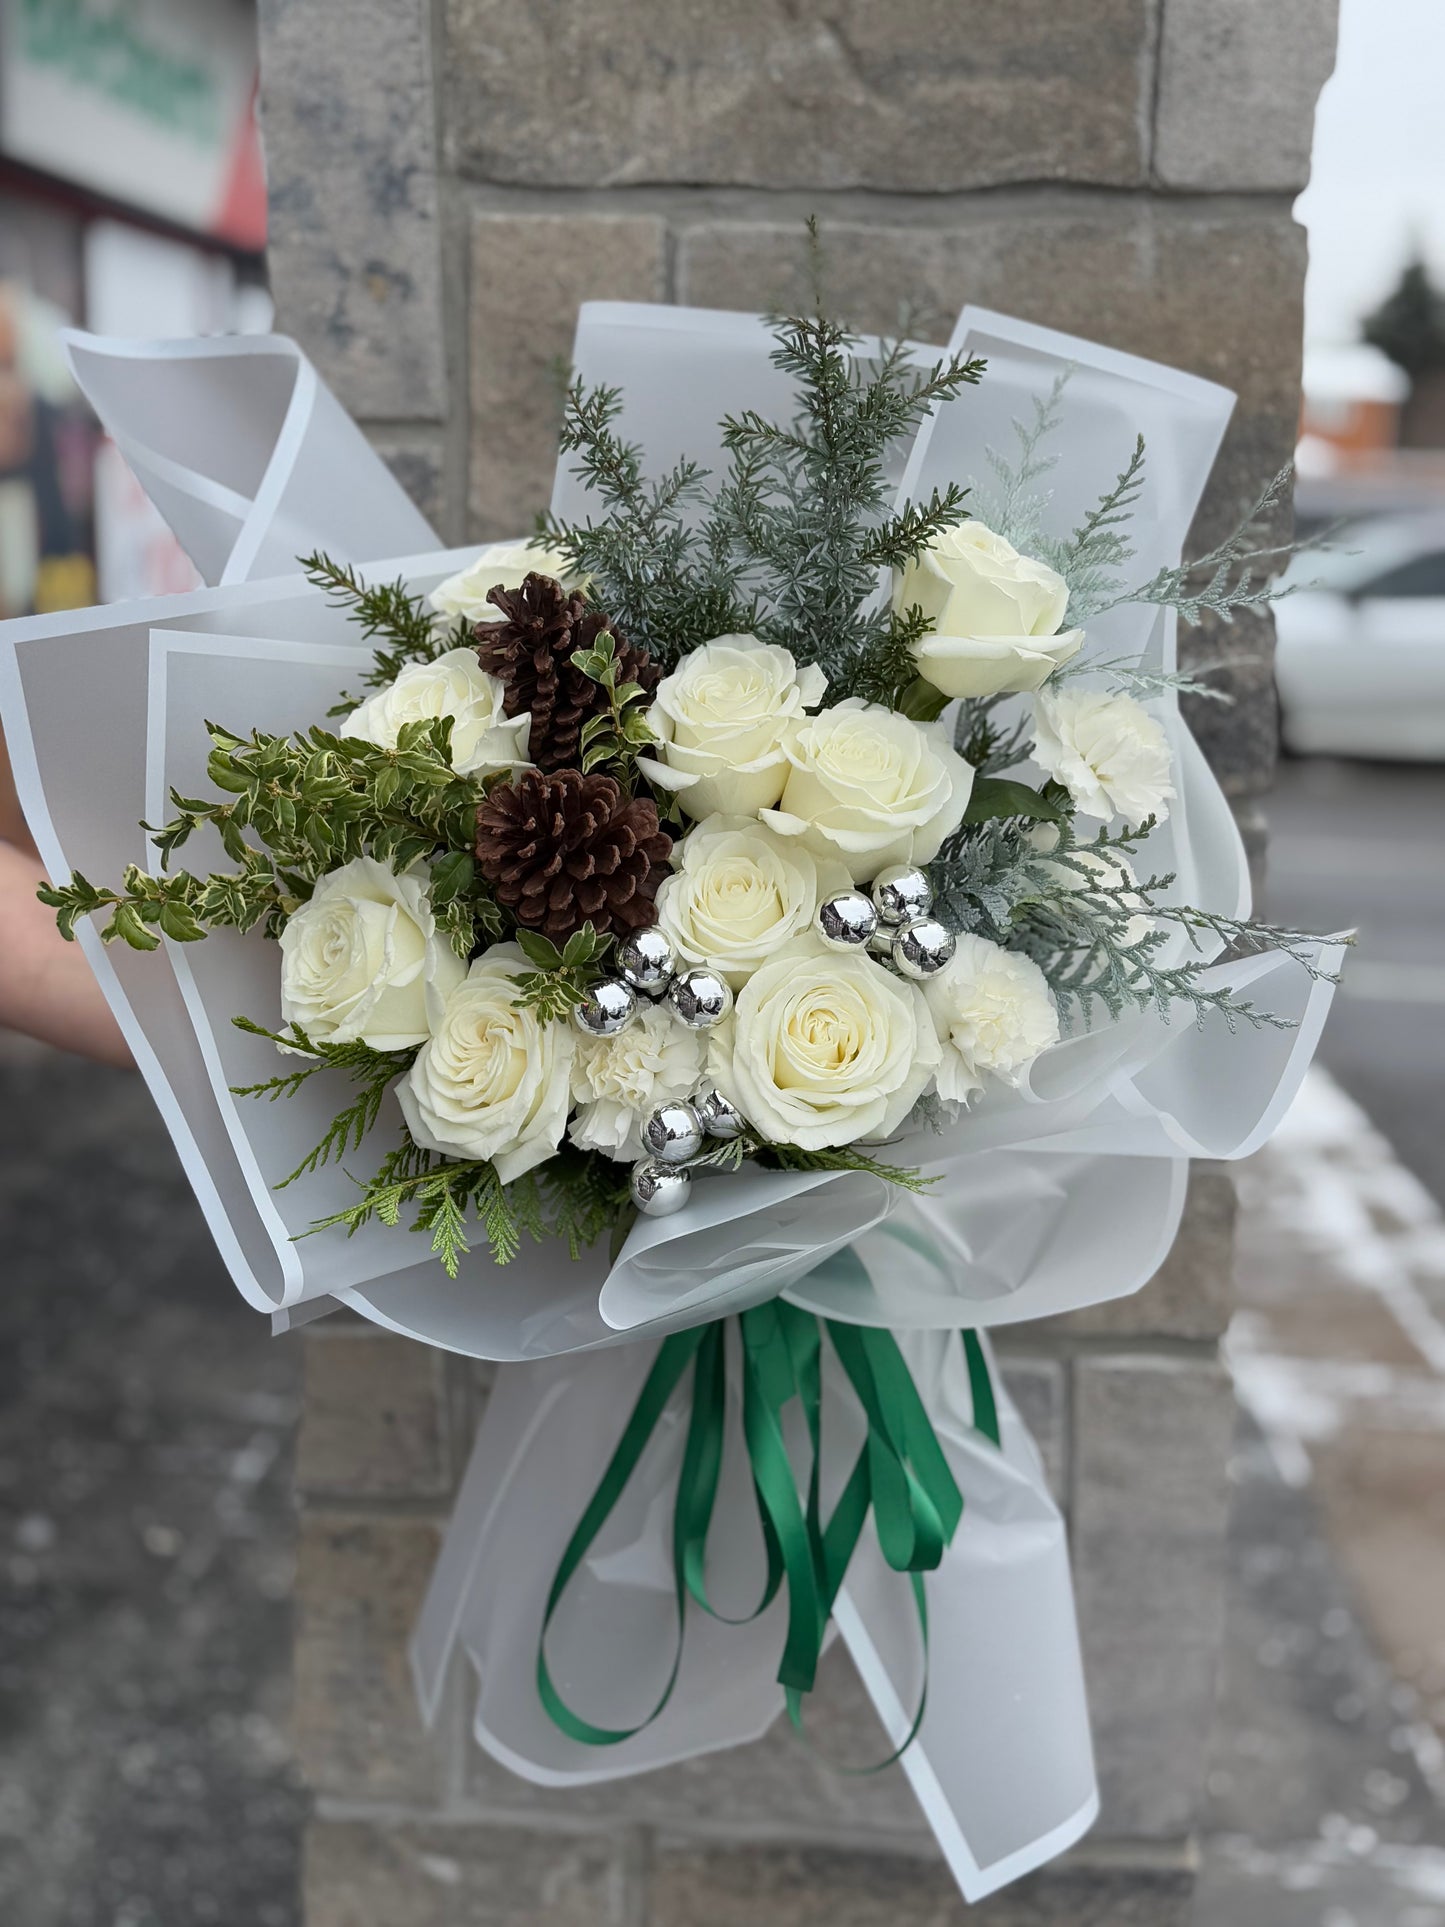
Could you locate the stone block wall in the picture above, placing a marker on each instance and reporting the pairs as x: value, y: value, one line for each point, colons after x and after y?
x: 449, y: 179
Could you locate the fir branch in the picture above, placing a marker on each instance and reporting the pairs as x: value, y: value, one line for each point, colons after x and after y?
x: 845, y: 1157
x: 373, y: 1071
x: 386, y: 610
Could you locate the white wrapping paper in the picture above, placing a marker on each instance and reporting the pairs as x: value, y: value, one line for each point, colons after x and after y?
x: 1062, y: 1193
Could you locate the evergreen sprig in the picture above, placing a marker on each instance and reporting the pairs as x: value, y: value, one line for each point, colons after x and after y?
x: 373, y: 1071
x: 615, y: 736
x: 576, y: 1196
x: 555, y: 988
x: 387, y: 614
x: 312, y: 801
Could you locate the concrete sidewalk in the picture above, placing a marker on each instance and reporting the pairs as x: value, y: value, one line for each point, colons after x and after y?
x: 1328, y: 1785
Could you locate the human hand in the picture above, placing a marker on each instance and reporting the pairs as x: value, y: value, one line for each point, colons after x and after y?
x: 47, y: 988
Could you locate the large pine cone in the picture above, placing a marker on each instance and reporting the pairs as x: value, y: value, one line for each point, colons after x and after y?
x: 529, y: 651
x: 562, y: 848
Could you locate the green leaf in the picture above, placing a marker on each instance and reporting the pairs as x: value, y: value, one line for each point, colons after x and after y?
x: 451, y: 876
x: 992, y: 796
x: 922, y: 701
x: 539, y: 950
x: 179, y: 923
x: 126, y: 923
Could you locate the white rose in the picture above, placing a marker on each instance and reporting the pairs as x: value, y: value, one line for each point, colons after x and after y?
x: 492, y: 1081
x: 617, y: 1081
x: 484, y: 738
x: 738, y: 892
x: 1108, y: 751
x: 357, y: 958
x: 871, y: 787
x: 995, y: 614
x: 503, y: 565
x: 1110, y: 867
x: 825, y: 1047
x: 994, y: 1013
x: 721, y: 719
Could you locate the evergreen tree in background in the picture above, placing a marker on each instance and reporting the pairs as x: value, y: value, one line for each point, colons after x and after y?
x: 1409, y: 325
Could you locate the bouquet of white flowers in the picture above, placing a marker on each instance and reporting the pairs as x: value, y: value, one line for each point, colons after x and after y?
x: 745, y: 921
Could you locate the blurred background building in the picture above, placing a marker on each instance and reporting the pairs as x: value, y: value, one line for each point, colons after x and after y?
x: 132, y: 202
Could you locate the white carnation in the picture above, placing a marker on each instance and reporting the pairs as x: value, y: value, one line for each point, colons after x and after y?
x: 492, y: 1081
x: 501, y: 565
x: 824, y: 1047
x: 617, y: 1081
x: 1108, y: 751
x: 485, y: 740
x: 993, y: 1012
x: 721, y: 720
x: 359, y: 957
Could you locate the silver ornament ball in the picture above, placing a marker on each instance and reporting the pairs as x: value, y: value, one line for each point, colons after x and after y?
x: 700, y: 998
x: 847, y: 921
x: 606, y: 1008
x: 902, y: 892
x: 673, y: 1133
x: 659, y: 1189
x: 923, y: 947
x: 719, y: 1118
x: 646, y: 961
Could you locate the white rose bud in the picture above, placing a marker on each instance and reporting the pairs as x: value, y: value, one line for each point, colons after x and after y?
x: 995, y: 614
x: 994, y: 1013
x: 1108, y: 751
x: 721, y: 719
x: 617, y: 1081
x: 485, y: 739
x: 738, y: 892
x: 492, y: 1081
x: 358, y: 958
x: 871, y: 787
x: 504, y: 565
x: 825, y: 1047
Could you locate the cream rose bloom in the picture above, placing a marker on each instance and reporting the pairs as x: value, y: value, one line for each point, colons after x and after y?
x: 358, y: 958
x: 617, y: 1081
x: 870, y: 787
x: 484, y: 739
x: 1108, y: 751
x: 501, y: 565
x: 738, y: 892
x: 721, y: 720
x: 994, y: 1014
x: 824, y: 1047
x: 492, y: 1081
x: 995, y: 614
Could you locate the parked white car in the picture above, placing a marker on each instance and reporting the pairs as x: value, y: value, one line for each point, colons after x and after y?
x: 1361, y: 659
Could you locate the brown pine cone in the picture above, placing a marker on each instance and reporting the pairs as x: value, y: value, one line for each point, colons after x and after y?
x: 530, y: 650
x: 561, y: 849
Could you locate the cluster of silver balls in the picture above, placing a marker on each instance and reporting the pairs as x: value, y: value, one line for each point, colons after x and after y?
x: 893, y: 921
x: 674, y: 1133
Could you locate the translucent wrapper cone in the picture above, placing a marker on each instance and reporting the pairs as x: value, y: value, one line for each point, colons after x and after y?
x: 1059, y: 1193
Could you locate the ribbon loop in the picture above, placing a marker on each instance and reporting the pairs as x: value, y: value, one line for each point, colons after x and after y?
x: 900, y: 1475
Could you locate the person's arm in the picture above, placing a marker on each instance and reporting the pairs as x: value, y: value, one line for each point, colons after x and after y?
x: 47, y: 989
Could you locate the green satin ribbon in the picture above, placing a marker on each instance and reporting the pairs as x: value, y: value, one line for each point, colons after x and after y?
x: 900, y: 1475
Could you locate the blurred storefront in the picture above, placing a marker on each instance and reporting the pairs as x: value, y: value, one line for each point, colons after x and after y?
x: 132, y: 202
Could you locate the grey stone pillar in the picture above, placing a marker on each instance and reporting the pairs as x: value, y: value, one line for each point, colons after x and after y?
x: 449, y: 178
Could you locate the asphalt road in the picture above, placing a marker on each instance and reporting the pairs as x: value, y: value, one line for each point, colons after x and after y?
x: 1363, y: 845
